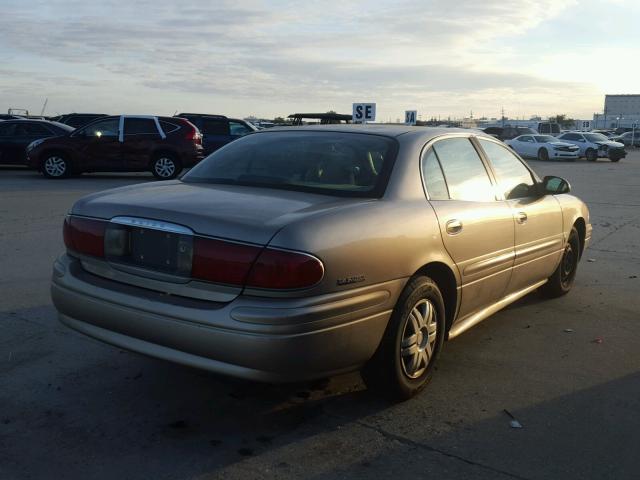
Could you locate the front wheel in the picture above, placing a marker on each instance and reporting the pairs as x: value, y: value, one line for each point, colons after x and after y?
x: 55, y: 165
x: 165, y: 167
x: 591, y: 155
x: 561, y: 281
x: 543, y: 155
x: 404, y: 361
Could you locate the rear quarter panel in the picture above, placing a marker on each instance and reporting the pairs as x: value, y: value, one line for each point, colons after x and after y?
x: 573, y: 209
x: 375, y: 241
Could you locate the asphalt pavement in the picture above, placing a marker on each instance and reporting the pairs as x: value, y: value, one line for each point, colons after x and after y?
x: 566, y: 369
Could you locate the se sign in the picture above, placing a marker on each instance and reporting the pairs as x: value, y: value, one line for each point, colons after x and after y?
x: 410, y: 117
x: 363, y: 112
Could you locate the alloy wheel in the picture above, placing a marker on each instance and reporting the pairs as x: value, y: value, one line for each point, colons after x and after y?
x: 165, y: 167
x: 419, y: 339
x: 55, y: 166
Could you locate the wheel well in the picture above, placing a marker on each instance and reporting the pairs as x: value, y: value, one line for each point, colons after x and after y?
x: 446, y: 281
x: 157, y: 154
x: 582, y: 232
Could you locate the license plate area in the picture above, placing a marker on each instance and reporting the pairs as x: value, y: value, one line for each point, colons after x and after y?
x: 169, y: 252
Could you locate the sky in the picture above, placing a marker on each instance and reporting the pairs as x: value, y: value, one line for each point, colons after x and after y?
x: 272, y: 58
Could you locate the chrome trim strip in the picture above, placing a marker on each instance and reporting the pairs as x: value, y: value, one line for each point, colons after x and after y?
x: 533, y: 247
x: 489, y: 263
x: 152, y: 225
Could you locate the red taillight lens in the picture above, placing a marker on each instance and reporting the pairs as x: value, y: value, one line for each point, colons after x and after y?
x: 85, y: 236
x: 282, y: 269
x: 192, y: 132
x: 222, y: 262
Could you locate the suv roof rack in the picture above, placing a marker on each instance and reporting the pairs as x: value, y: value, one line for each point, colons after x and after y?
x: 199, y: 115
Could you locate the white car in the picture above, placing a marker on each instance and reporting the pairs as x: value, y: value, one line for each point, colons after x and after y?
x: 543, y: 147
x: 595, y: 145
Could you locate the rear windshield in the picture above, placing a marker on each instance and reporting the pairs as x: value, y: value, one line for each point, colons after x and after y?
x: 334, y: 163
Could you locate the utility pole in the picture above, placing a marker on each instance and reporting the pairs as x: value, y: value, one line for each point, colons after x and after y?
x: 502, y: 118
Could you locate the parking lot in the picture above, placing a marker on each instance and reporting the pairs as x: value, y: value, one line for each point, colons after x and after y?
x: 566, y: 369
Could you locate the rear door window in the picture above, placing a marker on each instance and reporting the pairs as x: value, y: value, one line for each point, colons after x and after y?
x: 464, y: 171
x: 140, y: 126
x: 215, y: 126
x: 7, y: 129
x: 35, y: 129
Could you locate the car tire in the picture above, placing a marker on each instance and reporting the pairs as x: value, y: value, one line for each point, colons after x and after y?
x: 165, y: 166
x: 404, y: 361
x: 591, y: 155
x: 55, y: 165
x: 543, y: 155
x: 561, y: 281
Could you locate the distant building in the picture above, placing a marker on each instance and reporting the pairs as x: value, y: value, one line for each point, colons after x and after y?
x: 619, y: 111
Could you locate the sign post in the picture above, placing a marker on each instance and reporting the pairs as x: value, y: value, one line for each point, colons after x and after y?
x: 363, y: 112
x: 633, y: 134
x: 410, y: 117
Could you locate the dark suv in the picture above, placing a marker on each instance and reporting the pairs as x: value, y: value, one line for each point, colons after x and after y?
x: 508, y: 132
x: 126, y: 143
x: 217, y: 130
x: 77, y: 120
x: 16, y: 135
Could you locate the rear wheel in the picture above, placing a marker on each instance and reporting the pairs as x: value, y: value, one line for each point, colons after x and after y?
x: 561, y: 281
x: 404, y: 361
x: 165, y: 167
x: 591, y: 155
x: 543, y: 155
x: 55, y: 165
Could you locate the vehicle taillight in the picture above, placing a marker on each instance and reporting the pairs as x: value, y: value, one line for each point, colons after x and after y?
x: 236, y: 264
x: 85, y: 236
x: 280, y: 269
x: 191, y: 131
x: 222, y: 262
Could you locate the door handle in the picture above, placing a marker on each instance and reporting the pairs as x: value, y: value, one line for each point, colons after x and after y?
x: 454, y: 227
x: 521, y: 217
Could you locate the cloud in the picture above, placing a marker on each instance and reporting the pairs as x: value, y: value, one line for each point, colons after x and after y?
x: 289, y: 52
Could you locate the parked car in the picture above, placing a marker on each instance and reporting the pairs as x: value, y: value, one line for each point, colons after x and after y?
x: 508, y: 132
x: 77, y: 120
x: 543, y: 147
x: 595, y: 145
x: 628, y: 139
x: 294, y: 254
x: 126, y: 143
x: 218, y: 130
x: 16, y: 135
x: 607, y: 133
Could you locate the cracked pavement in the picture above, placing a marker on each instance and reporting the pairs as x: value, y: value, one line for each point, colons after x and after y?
x: 74, y: 408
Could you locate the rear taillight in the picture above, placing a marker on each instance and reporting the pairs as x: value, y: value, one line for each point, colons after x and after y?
x: 236, y: 264
x: 222, y: 262
x: 84, y: 235
x: 191, y: 131
x: 281, y: 269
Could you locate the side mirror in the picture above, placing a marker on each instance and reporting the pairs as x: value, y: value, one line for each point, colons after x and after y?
x: 552, y: 185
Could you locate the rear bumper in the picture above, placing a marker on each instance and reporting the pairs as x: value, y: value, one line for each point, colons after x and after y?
x: 275, y: 340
